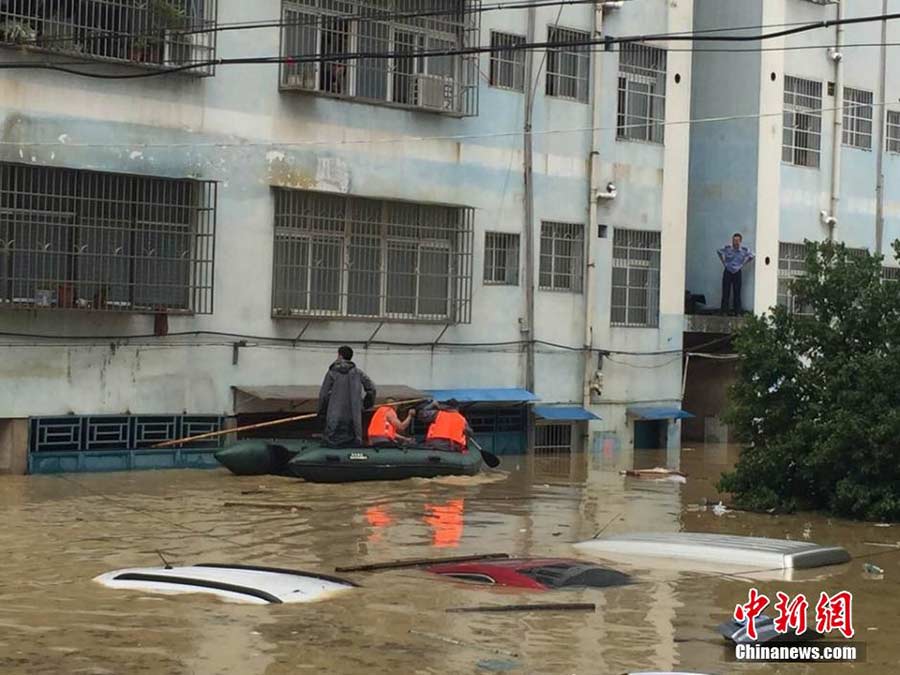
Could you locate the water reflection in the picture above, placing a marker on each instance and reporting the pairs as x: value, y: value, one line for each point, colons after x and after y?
x: 60, y: 533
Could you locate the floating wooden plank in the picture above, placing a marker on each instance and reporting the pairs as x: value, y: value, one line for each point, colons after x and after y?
x: 420, y: 562
x: 268, y: 505
x: 552, y: 607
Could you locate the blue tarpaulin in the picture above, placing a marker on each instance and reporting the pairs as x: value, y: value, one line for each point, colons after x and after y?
x: 564, y: 413
x: 491, y: 395
x: 659, y: 413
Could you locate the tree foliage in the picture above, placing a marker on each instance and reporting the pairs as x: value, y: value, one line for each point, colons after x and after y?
x: 817, y: 397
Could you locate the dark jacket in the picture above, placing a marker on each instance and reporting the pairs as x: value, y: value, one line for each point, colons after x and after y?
x: 341, y: 403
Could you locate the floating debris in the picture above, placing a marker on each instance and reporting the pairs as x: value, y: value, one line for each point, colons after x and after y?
x: 873, y: 571
x: 553, y: 607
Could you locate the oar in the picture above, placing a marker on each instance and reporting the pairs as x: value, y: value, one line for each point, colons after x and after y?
x: 260, y: 425
x: 489, y: 458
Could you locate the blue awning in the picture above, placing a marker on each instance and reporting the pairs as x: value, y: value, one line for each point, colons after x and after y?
x: 564, y: 413
x: 490, y: 395
x: 659, y: 413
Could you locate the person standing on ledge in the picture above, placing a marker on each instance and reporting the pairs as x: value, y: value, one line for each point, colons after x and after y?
x: 345, y: 391
x: 733, y: 258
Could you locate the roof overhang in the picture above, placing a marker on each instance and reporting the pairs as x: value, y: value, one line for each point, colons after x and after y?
x: 303, y: 397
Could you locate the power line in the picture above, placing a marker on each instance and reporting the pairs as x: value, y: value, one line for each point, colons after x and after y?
x: 413, y: 139
x: 606, y: 41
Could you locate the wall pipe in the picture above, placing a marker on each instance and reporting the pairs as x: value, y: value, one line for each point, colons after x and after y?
x: 528, y: 169
x: 882, y: 126
x: 838, y: 134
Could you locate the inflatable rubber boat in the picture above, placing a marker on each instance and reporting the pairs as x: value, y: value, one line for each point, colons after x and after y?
x: 318, y: 463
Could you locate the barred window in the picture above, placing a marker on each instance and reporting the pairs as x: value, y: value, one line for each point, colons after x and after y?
x: 74, y: 239
x: 569, y: 67
x: 354, y: 257
x: 642, y: 93
x: 400, y: 31
x: 893, y: 131
x: 163, y: 33
x: 501, y: 258
x: 791, y: 265
x: 507, y: 65
x: 857, y: 118
x: 802, y: 140
x: 890, y: 273
x: 552, y: 439
x: 562, y: 257
x: 635, y: 278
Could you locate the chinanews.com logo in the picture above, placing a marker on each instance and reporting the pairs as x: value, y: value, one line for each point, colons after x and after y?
x: 793, y: 636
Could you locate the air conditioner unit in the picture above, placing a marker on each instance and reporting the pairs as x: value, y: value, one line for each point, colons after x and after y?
x: 435, y: 92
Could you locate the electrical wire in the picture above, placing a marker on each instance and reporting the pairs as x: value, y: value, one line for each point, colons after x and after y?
x: 606, y: 41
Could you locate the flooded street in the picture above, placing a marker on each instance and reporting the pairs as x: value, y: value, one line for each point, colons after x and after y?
x: 60, y: 531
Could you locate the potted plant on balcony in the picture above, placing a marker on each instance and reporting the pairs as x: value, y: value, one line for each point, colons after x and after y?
x: 17, y: 32
x: 163, y: 18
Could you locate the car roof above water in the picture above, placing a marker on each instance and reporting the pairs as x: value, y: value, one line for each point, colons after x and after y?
x: 723, y: 549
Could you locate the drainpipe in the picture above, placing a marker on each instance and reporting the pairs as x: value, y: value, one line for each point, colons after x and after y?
x: 880, y: 149
x: 528, y: 161
x: 838, y: 139
x: 593, y: 217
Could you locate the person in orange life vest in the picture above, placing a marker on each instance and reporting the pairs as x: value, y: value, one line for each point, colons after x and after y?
x: 449, y: 430
x: 386, y: 429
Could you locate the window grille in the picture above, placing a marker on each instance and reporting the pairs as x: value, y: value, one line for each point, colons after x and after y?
x: 802, y: 141
x: 893, y: 131
x: 890, y: 273
x: 74, y: 433
x: 792, y: 265
x: 74, y: 239
x: 635, y: 278
x: 642, y: 93
x: 161, y: 33
x: 507, y: 65
x: 368, y: 258
x: 399, y: 30
x: 501, y: 258
x: 857, y: 118
x: 552, y: 439
x: 562, y: 257
x: 569, y: 67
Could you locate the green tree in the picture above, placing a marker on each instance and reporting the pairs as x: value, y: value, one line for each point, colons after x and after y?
x: 817, y: 397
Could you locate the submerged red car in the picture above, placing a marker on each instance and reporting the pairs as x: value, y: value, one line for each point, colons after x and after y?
x: 539, y: 574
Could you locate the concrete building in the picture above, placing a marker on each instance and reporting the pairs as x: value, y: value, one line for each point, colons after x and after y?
x: 801, y: 148
x: 185, y: 250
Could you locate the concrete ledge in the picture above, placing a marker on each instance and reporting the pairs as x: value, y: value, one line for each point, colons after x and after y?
x: 712, y: 323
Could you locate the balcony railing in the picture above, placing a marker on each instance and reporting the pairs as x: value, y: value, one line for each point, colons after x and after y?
x: 91, y: 241
x: 154, y: 33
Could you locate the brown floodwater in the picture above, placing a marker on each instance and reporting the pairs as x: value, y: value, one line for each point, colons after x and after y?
x: 58, y: 532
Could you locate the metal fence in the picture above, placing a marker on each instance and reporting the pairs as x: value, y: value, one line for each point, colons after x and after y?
x: 367, y: 258
x: 858, y: 113
x: 74, y: 239
x: 562, y: 257
x: 74, y: 433
x: 642, y: 93
x: 389, y: 36
x: 163, y: 33
x: 552, y: 439
x: 802, y: 140
x: 635, y: 278
x: 568, y: 68
x: 501, y: 258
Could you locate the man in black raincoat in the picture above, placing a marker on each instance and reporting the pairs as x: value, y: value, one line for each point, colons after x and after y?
x: 345, y: 392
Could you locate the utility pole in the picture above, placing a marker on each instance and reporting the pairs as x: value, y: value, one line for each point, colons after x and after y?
x: 528, y: 166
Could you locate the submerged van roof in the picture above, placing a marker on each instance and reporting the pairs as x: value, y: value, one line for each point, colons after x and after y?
x: 723, y: 549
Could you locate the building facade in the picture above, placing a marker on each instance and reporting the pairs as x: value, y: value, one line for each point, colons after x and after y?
x: 201, y: 199
x: 793, y: 139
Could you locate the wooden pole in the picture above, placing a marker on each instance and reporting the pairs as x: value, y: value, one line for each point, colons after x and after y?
x: 260, y: 425
x: 420, y: 562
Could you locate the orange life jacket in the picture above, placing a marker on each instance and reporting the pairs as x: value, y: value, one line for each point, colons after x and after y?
x: 448, y: 425
x: 380, y: 427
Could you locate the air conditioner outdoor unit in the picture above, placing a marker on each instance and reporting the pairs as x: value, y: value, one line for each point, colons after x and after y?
x: 435, y: 92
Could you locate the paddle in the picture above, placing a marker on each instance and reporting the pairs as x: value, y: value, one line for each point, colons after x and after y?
x: 489, y: 458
